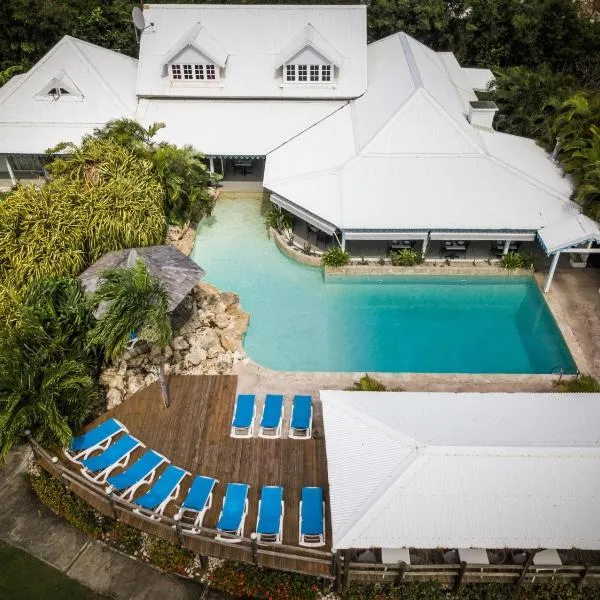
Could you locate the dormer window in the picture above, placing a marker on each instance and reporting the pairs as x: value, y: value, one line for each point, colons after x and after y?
x: 201, y: 72
x: 57, y: 92
x: 61, y: 86
x: 304, y: 73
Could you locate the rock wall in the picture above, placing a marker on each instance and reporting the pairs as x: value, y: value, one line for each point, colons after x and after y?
x: 209, y: 343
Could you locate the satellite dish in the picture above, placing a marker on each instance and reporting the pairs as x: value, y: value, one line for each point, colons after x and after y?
x: 138, y: 18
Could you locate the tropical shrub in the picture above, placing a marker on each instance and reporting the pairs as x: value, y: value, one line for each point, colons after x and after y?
x: 246, y: 581
x: 279, y: 220
x: 335, y: 257
x: 167, y: 556
x: 405, y: 258
x: 76, y: 511
x: 584, y: 383
x: 126, y: 538
x: 516, y: 260
x: 367, y: 384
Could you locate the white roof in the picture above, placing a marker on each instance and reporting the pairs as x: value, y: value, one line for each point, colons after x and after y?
x: 479, y: 79
x: 253, y: 38
x: 571, y: 232
x: 102, y: 86
x: 407, y: 146
x: 463, y: 470
x: 233, y: 127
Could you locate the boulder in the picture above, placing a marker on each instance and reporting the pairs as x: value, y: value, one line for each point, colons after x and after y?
x: 196, y: 355
x: 229, y: 299
x: 135, y: 383
x: 180, y: 343
x: 206, y: 338
x: 114, y: 397
x: 229, y: 342
x: 222, y: 320
x: 214, y: 351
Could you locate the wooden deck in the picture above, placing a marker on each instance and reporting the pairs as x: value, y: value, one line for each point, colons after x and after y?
x: 193, y: 433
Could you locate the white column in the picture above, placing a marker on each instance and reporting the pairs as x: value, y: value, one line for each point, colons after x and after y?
x: 343, y: 241
x: 10, y: 171
x: 222, y: 166
x: 551, y: 271
x: 211, y: 163
x: 506, y: 247
x: 424, y: 247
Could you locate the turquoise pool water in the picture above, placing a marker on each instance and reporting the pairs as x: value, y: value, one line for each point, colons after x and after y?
x: 299, y: 322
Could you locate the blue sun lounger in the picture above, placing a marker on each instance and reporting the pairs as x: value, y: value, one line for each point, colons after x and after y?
x: 233, y: 514
x: 197, y: 502
x: 97, y: 438
x: 312, y: 517
x: 270, y: 424
x: 270, y: 515
x: 301, y: 423
x: 125, y: 484
x: 243, y: 416
x: 97, y: 468
x: 166, y: 488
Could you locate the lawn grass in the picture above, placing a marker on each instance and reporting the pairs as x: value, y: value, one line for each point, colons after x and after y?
x: 24, y: 577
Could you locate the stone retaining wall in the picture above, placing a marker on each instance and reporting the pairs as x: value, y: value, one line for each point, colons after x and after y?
x: 424, y: 269
x: 293, y: 251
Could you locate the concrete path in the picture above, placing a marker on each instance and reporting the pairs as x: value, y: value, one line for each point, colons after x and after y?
x: 31, y: 526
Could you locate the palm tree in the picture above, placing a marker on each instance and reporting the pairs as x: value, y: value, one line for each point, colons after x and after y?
x: 8, y: 73
x: 132, y: 300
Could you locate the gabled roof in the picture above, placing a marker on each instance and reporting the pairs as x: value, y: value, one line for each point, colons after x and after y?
x: 199, y: 39
x: 309, y: 37
x: 177, y: 272
x: 104, y: 80
x: 463, y: 470
x: 253, y: 37
x: 409, y: 133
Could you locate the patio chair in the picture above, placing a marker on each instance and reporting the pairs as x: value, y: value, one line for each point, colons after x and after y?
x: 97, y: 468
x: 312, y: 517
x: 243, y: 416
x: 270, y: 515
x: 233, y: 514
x: 166, y: 488
x: 301, y: 423
x: 95, y: 439
x: 197, y: 502
x: 125, y: 484
x: 270, y: 424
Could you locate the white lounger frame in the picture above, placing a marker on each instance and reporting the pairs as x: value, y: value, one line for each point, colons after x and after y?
x: 233, y: 537
x: 103, y: 475
x: 129, y: 493
x: 192, y: 523
x: 102, y: 445
x: 302, y: 434
x: 271, y: 538
x: 244, y: 432
x: 272, y: 432
x: 310, y: 540
x: 157, y: 513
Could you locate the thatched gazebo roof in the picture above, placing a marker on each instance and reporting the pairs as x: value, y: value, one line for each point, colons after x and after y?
x: 178, y: 273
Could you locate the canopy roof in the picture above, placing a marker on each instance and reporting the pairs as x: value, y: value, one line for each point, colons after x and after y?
x: 177, y: 272
x: 100, y: 85
x: 254, y: 37
x: 450, y: 470
x: 404, y: 156
x: 571, y: 232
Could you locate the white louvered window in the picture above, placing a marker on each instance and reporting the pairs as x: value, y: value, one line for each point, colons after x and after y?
x: 306, y: 73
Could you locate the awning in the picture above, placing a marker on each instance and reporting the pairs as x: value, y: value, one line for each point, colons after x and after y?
x: 573, y: 231
x: 324, y: 226
x: 483, y: 235
x: 386, y: 235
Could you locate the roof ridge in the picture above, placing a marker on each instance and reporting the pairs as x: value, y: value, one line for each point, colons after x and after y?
x: 410, y: 60
x: 96, y: 46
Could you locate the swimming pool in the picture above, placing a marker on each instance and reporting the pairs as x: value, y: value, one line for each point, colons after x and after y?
x: 419, y: 324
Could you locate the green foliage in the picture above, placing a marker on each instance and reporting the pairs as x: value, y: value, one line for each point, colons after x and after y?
x: 279, y: 219
x: 335, y: 257
x: 76, y: 511
x: 367, y: 384
x: 246, y: 581
x: 182, y: 172
x: 7, y: 73
x: 516, y: 260
x: 167, y: 556
x: 136, y: 301
x: 405, y: 258
x: 128, y: 539
x: 584, y: 383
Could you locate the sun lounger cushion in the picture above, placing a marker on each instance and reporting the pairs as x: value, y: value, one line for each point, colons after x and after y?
x: 244, y: 410
x: 96, y: 435
x: 162, y: 489
x: 312, y: 511
x: 144, y: 465
x: 269, y: 516
x: 301, y: 412
x: 199, y: 493
x: 272, y: 413
x: 233, y: 507
x: 112, y: 455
